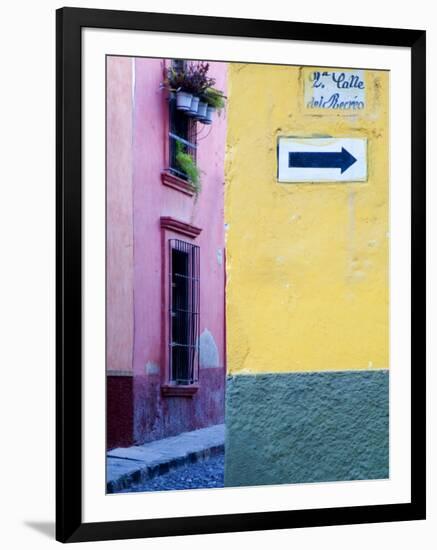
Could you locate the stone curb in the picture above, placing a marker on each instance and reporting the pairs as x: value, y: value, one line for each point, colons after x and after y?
x: 144, y: 472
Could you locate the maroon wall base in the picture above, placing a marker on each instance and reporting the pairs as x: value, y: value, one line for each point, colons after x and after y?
x: 119, y: 411
x: 137, y: 412
x: 158, y: 416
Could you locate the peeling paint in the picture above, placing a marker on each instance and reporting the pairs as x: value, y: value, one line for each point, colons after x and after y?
x: 219, y: 256
x: 209, y: 354
x: 152, y: 368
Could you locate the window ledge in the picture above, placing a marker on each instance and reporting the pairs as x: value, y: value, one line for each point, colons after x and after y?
x: 177, y: 226
x: 170, y: 390
x: 173, y: 181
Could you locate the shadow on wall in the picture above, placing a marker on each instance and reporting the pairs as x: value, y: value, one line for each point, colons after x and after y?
x: 46, y: 528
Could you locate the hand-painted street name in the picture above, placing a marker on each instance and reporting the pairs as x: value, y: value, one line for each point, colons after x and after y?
x: 338, y: 90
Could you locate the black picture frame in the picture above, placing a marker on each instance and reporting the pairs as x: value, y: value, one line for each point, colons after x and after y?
x: 69, y: 24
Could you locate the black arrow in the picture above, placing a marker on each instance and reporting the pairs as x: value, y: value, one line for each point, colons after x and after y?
x: 342, y: 160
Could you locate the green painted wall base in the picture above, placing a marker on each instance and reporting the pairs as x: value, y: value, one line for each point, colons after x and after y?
x: 306, y: 427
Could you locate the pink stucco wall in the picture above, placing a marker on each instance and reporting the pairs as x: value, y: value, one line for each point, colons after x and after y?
x: 157, y: 416
x: 154, y: 415
x: 119, y: 227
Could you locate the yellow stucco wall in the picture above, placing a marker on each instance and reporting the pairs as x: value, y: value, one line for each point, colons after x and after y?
x: 307, y: 263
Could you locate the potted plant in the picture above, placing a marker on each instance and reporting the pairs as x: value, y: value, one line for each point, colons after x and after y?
x: 187, y: 165
x: 215, y: 100
x: 201, y: 110
x: 196, y: 82
x: 194, y: 107
x: 183, y: 100
x: 176, y: 81
x: 195, y: 94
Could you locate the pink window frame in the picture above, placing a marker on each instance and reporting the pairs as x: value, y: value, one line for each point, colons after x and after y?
x: 172, y: 228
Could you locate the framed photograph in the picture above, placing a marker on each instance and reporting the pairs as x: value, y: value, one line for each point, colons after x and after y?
x: 240, y: 274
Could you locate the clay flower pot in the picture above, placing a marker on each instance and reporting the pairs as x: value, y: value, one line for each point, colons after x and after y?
x: 192, y: 111
x: 209, y: 114
x: 201, y: 110
x: 183, y: 100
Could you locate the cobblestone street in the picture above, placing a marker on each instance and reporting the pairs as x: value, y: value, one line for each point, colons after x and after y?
x: 198, y: 475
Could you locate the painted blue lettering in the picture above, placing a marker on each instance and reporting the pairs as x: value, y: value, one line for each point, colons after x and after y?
x: 331, y: 102
x: 354, y: 81
x: 315, y: 77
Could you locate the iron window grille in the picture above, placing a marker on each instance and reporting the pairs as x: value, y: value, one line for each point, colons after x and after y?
x: 182, y: 129
x: 184, y: 312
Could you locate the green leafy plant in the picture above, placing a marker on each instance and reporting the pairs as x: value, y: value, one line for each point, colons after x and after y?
x: 215, y: 98
x: 187, y: 165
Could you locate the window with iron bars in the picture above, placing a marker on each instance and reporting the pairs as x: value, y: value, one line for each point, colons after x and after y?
x: 184, y: 312
x: 182, y: 129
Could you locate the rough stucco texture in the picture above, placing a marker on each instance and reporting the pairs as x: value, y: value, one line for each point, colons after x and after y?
x: 307, y: 263
x: 306, y: 427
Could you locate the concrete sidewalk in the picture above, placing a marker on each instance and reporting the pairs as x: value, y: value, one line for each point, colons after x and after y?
x: 125, y: 466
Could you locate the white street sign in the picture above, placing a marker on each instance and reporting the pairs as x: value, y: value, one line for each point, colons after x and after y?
x: 343, y: 92
x: 322, y: 159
